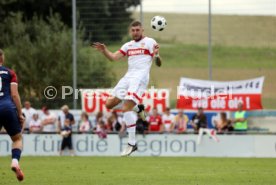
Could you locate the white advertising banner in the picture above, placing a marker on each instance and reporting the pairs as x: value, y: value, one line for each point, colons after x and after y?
x: 149, y: 145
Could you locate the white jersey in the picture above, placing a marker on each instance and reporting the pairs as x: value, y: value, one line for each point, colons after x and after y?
x: 52, y: 126
x: 139, y: 55
x: 28, y: 115
x: 167, y: 121
x: 35, y: 124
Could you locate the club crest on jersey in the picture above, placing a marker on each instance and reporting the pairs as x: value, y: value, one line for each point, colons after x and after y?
x: 142, y: 45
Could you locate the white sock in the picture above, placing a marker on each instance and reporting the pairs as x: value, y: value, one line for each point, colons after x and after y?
x: 118, y: 106
x: 130, y: 120
x: 199, y: 137
x: 135, y: 108
x: 132, y: 138
x: 15, y: 161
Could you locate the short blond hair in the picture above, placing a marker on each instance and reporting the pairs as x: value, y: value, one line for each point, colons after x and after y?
x: 64, y: 107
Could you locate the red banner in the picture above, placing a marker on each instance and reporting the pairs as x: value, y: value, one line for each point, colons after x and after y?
x: 93, y: 100
x: 213, y: 95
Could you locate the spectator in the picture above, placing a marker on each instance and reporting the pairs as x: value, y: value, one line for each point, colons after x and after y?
x: 85, y: 124
x: 28, y: 111
x: 141, y: 125
x: 122, y: 132
x: 100, y: 126
x: 223, y: 124
x: 180, y: 122
x: 199, y: 120
x: 117, y: 121
x: 155, y: 122
x: 35, y: 124
x: 48, y: 120
x: 66, y: 133
x: 114, y: 122
x: 93, y: 121
x: 101, y: 129
x: 100, y: 117
x: 168, y: 120
x: 65, y: 114
x: 240, y: 119
x: 109, y: 124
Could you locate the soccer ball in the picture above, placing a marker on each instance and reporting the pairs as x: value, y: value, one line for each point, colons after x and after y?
x: 158, y: 23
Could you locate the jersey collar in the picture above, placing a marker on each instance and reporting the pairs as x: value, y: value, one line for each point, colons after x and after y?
x: 139, y: 39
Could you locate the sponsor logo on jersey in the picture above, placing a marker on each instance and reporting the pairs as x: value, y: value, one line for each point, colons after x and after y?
x: 3, y: 72
x: 138, y: 51
x: 167, y: 121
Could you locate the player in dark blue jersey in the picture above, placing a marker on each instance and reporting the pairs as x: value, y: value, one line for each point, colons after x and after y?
x: 11, y: 117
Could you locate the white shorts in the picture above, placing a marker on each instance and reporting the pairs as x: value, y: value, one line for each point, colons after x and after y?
x: 130, y: 89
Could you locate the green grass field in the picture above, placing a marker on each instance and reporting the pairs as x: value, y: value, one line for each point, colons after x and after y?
x: 141, y: 171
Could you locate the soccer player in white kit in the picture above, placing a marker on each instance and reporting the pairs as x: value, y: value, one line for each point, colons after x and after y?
x: 127, y: 93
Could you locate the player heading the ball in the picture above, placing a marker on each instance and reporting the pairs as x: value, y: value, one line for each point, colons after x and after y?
x: 140, y: 52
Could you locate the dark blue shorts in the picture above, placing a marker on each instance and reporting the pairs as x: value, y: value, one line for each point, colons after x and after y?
x: 10, y: 121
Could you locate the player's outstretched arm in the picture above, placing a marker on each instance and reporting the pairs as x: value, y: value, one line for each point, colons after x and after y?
x: 157, y: 58
x: 108, y: 54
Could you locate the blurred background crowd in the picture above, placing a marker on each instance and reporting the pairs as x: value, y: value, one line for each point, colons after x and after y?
x: 55, y: 121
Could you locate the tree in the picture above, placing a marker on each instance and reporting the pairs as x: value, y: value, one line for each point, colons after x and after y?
x: 103, y: 20
x: 40, y: 52
x: 43, y: 9
x: 106, y: 21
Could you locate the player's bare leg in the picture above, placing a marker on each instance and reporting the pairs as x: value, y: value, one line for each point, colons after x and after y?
x: 117, y: 104
x: 16, y: 153
x: 130, y: 120
x: 112, y: 102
